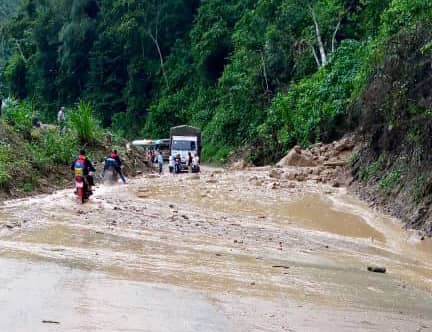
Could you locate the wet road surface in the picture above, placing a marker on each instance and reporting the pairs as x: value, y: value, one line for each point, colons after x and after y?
x: 219, y: 252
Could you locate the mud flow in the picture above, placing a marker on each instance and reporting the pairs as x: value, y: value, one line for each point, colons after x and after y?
x: 222, y: 251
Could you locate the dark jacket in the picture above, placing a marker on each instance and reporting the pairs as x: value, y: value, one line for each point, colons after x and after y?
x: 116, y: 158
x: 88, y: 166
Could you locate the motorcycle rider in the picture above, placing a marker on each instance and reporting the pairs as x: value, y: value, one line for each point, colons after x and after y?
x: 87, y: 168
x: 115, y: 156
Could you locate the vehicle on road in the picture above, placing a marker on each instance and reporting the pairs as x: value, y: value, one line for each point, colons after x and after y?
x: 82, y: 188
x: 148, y: 145
x: 185, y: 140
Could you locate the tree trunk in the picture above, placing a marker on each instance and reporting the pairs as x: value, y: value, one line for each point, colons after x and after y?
x: 335, y: 33
x: 156, y: 43
x: 264, y: 72
x: 319, y: 39
x: 315, y: 56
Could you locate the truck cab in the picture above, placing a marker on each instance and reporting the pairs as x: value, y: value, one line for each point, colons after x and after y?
x: 182, y: 145
x: 185, y: 139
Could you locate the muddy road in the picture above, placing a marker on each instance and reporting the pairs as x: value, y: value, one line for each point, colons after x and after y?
x: 223, y: 251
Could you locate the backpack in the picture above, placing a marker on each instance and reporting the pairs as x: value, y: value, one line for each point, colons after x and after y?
x: 79, y: 166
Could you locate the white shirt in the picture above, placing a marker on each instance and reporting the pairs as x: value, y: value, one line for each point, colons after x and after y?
x: 60, y: 116
x: 195, y: 161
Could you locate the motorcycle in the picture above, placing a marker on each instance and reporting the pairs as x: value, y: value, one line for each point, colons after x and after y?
x: 83, y: 189
x: 110, y: 175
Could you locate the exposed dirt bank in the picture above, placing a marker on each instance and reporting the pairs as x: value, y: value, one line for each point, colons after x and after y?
x: 220, y: 250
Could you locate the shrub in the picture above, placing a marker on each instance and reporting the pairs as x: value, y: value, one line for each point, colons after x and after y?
x: 59, y: 149
x: 19, y: 115
x: 372, y: 170
x: 390, y: 180
x: 84, y: 124
x: 5, y: 176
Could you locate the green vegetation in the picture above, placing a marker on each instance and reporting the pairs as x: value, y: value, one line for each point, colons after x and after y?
x: 27, y: 155
x: 256, y: 75
x: 390, y: 180
x: 84, y: 124
x: 372, y: 170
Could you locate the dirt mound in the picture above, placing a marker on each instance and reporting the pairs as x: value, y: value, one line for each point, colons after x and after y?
x: 239, y: 165
x: 297, y: 157
x: 320, y: 162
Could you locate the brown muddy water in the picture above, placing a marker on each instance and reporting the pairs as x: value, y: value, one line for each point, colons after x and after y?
x: 225, y: 251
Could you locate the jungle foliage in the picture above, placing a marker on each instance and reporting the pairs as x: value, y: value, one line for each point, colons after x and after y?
x: 256, y: 75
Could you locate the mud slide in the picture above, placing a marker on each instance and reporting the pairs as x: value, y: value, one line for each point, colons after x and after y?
x: 222, y: 251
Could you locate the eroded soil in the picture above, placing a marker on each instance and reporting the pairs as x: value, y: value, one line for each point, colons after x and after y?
x: 223, y: 251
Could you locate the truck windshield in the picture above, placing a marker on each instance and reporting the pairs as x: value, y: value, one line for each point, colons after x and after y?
x: 183, y: 146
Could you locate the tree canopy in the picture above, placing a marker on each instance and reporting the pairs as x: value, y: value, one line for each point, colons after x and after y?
x: 254, y: 74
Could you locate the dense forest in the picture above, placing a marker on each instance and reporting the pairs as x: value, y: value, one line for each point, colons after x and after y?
x: 257, y: 75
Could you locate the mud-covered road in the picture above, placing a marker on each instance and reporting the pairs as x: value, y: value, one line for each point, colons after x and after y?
x: 225, y: 251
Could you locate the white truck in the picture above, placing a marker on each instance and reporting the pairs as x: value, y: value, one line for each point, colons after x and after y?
x: 185, y: 139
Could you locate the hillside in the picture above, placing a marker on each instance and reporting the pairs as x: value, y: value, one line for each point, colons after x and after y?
x: 251, y: 73
x: 257, y: 76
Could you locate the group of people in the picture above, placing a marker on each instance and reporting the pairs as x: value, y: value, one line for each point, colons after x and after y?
x: 86, y: 168
x: 193, y: 163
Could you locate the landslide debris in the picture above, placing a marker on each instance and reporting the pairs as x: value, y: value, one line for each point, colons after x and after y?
x: 324, y: 163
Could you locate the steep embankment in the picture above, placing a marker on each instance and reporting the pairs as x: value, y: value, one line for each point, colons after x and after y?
x: 38, y: 161
x: 394, y: 168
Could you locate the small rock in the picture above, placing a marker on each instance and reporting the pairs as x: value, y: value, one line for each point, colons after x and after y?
x: 50, y: 322
x: 376, y: 269
x: 301, y: 177
x: 336, y: 184
x: 212, y: 181
x: 290, y: 176
x: 280, y: 267
x: 275, y: 174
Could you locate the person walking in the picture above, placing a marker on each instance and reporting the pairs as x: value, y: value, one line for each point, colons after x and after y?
x: 189, y: 162
x: 160, y: 161
x: 196, y: 164
x: 116, y: 157
x: 61, y: 119
x: 171, y: 164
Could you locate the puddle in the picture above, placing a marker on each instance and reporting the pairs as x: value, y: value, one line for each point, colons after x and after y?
x: 313, y: 212
x: 308, y: 210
